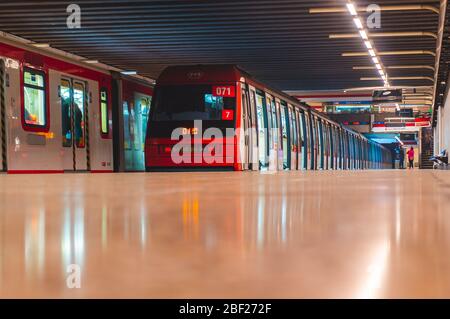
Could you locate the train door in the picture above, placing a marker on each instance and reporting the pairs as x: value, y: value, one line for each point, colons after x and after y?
x: 309, y: 138
x: 324, y: 146
x: 285, y: 135
x: 302, y: 159
x: 315, y: 129
x: 74, y: 125
x: 135, y: 116
x: 331, y: 147
x: 273, y: 133
x: 254, y: 129
x: 244, y: 145
x: 263, y: 130
x: 294, y: 139
x: 3, y: 148
x: 341, y: 149
x: 279, y: 132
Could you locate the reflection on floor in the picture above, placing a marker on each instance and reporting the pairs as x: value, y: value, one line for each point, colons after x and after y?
x: 193, y: 235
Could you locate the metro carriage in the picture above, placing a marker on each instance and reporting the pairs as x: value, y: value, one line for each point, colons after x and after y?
x: 57, y: 114
x: 273, y: 131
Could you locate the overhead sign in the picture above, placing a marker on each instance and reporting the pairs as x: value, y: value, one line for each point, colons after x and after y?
x: 408, y: 137
x: 387, y: 96
x: 405, y: 113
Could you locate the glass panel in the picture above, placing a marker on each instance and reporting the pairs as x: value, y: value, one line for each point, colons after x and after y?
x: 66, y: 113
x: 145, y: 109
x: 126, y: 126
x: 34, y: 106
x: 190, y: 102
x: 104, y: 112
x: 33, y: 79
x: 79, y: 116
x: 34, y: 99
x: 135, y: 116
x: 274, y: 125
x: 262, y: 132
x: 286, y: 148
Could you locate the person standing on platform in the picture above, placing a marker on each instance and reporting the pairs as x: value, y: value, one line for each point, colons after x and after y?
x: 411, y: 157
x: 402, y: 158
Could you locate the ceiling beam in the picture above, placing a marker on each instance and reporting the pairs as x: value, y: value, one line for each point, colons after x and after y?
x: 393, y: 78
x: 407, y: 52
x: 411, y: 7
x: 394, y: 67
x: 385, y: 35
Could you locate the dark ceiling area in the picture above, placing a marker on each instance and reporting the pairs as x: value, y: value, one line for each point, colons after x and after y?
x: 279, y: 42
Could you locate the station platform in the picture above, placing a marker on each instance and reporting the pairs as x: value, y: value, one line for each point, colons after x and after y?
x: 330, y: 234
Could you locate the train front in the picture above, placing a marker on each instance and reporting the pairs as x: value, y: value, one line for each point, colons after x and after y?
x: 192, y: 122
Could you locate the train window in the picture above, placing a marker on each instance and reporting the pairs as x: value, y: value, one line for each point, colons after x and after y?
x: 104, y: 111
x: 303, y: 140
x: 66, y: 112
x: 274, y: 124
x: 34, y: 99
x: 262, y: 122
x: 192, y: 102
x: 285, y: 135
x: 79, y: 114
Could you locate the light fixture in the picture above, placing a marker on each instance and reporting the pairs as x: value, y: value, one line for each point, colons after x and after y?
x: 41, y: 45
x: 358, y: 23
x: 90, y: 61
x: 443, y: 83
x: 129, y: 72
x: 351, y: 8
x: 363, y: 35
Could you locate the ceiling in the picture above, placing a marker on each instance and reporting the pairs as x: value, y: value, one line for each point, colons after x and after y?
x: 279, y: 42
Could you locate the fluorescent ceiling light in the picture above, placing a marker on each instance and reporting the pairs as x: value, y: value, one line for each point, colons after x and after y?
x: 368, y: 44
x: 375, y: 60
x: 363, y: 35
x: 372, y: 53
x: 358, y: 23
x: 90, y: 61
x: 129, y: 72
x: 41, y: 45
x: 351, y: 8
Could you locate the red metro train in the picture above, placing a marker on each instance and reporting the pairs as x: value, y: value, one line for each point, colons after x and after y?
x: 219, y: 117
x: 60, y: 114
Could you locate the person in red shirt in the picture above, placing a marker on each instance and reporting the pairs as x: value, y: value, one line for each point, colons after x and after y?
x: 410, y: 154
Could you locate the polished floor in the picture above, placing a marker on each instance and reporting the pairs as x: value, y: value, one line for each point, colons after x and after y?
x: 339, y: 234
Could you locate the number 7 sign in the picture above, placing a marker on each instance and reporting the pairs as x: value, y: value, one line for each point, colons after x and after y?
x: 227, y: 115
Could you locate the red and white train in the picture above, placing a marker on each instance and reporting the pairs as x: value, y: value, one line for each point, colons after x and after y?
x: 273, y: 131
x: 57, y: 114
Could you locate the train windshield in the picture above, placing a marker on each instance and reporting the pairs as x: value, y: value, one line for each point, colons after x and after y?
x: 193, y: 102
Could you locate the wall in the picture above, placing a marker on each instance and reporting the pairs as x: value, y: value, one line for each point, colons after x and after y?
x: 443, y: 127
